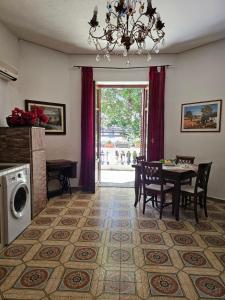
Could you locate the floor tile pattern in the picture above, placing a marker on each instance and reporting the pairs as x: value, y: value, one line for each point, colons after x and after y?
x: 100, y: 247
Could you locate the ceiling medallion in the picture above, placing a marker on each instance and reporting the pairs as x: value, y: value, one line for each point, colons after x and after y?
x: 128, y: 23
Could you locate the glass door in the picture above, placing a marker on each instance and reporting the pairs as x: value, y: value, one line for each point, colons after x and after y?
x: 97, y: 136
x: 144, y: 121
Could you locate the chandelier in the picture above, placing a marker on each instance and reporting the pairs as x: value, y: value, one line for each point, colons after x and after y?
x: 127, y: 23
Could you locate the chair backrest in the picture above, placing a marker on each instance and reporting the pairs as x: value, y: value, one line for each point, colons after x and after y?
x: 152, y: 173
x: 203, y: 176
x: 185, y: 159
x: 140, y: 159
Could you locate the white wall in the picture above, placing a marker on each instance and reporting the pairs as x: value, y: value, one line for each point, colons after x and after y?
x: 200, y: 76
x: 44, y: 75
x: 9, y: 53
x: 9, y: 49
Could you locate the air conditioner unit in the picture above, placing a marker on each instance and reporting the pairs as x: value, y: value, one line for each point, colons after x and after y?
x: 8, y: 72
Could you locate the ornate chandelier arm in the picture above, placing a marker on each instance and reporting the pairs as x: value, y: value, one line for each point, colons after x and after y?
x: 136, y: 23
x: 123, y: 28
x: 107, y: 49
x: 155, y: 39
x: 105, y: 34
x: 110, y: 50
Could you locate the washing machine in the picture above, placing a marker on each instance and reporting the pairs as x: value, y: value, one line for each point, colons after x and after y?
x: 16, y: 201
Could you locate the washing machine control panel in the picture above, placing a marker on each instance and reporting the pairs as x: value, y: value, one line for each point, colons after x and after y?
x: 12, y: 179
x: 17, y: 176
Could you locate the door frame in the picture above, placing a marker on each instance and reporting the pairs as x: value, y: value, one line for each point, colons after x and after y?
x: 97, y: 111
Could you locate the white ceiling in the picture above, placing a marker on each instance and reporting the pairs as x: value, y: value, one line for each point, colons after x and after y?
x: 63, y: 24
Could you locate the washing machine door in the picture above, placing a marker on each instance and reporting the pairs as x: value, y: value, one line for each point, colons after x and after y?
x: 19, y: 198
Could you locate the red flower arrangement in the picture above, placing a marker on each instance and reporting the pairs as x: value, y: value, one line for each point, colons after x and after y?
x: 27, y: 118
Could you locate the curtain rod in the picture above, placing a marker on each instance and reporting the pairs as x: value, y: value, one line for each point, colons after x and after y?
x: 119, y: 68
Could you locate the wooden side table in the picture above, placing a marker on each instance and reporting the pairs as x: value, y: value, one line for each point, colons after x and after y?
x: 60, y: 170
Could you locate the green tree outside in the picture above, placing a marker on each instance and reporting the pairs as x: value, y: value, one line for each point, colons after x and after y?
x: 121, y: 107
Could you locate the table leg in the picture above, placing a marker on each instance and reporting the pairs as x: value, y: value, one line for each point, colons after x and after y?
x: 47, y: 179
x: 137, y: 185
x: 177, y: 199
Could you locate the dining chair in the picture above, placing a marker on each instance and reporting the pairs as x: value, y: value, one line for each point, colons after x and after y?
x: 139, y: 160
x: 184, y: 159
x: 154, y: 186
x: 180, y: 159
x: 198, y: 193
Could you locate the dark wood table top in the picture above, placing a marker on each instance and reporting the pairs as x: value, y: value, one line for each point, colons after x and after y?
x: 179, y: 169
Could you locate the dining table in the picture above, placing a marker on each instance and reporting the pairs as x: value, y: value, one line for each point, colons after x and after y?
x: 175, y: 174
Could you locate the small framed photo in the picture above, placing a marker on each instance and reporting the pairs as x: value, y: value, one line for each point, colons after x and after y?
x: 56, y: 113
x: 201, y: 116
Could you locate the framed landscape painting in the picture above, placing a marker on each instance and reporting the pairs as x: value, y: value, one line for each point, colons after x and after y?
x: 201, y: 116
x: 56, y: 113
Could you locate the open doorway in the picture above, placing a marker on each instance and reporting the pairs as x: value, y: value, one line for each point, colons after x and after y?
x: 120, y: 131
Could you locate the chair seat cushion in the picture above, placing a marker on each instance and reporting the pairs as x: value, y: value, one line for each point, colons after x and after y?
x: 170, y: 184
x: 190, y: 189
x: 157, y: 187
x: 185, y: 181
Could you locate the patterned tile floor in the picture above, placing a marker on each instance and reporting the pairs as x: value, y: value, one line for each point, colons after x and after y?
x: 100, y: 247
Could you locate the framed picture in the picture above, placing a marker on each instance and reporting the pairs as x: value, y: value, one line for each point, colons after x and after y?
x: 201, y: 116
x: 56, y: 113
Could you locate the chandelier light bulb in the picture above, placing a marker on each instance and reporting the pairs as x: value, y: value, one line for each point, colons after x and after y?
x: 144, y: 45
x: 108, y: 56
x: 98, y: 58
x: 149, y: 57
x: 141, y: 9
x: 156, y: 48
x: 89, y: 40
x: 98, y: 46
x: 109, y: 6
x: 119, y: 35
x: 139, y: 51
x: 96, y: 9
x: 125, y: 53
x: 128, y: 63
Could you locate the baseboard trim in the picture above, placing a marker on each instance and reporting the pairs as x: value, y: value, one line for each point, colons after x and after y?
x: 216, y: 199
x: 75, y: 189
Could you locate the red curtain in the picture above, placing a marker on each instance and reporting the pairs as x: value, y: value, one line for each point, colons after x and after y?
x: 155, y: 148
x: 87, y: 169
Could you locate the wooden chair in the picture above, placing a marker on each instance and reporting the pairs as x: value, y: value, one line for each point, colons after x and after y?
x: 154, y: 186
x: 198, y: 192
x: 139, y: 160
x: 184, y: 159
